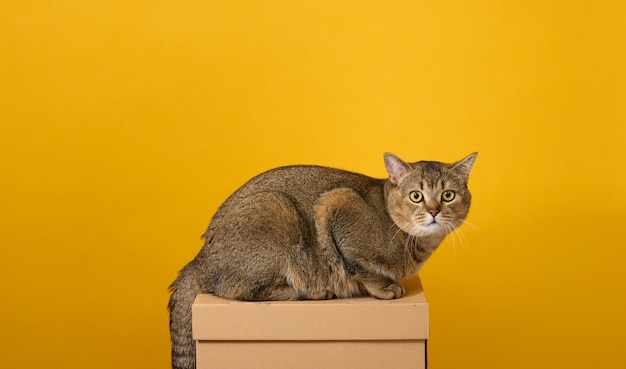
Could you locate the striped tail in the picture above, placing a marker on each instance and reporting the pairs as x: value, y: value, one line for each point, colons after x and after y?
x: 183, y: 345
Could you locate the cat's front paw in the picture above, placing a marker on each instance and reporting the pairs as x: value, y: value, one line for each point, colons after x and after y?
x: 392, y: 291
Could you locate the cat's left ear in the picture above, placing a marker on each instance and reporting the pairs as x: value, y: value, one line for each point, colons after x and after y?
x: 396, y: 168
x: 464, y: 167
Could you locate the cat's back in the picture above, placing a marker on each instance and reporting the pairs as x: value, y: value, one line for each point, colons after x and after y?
x: 303, y: 184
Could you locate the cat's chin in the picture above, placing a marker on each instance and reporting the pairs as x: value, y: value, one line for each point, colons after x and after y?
x: 432, y: 228
x: 425, y: 230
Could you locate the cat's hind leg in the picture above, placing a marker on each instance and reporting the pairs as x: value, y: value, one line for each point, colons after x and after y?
x: 260, y: 252
x: 348, y: 228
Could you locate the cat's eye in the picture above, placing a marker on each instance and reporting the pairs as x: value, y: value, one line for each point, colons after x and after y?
x: 447, y: 195
x: 416, y: 196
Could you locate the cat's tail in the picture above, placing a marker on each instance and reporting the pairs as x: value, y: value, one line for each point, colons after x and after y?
x: 184, y: 291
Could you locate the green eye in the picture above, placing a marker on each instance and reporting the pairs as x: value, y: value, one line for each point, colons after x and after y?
x: 416, y: 196
x: 447, y: 195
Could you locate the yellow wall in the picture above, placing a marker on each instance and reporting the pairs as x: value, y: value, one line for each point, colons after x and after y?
x: 124, y: 124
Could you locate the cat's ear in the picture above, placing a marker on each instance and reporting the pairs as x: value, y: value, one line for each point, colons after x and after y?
x: 396, y: 168
x: 464, y: 167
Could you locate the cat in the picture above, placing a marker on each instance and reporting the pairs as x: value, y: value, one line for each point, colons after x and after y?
x: 311, y: 232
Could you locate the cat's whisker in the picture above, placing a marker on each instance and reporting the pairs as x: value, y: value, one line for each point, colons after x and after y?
x: 407, y: 246
x: 398, y: 231
x: 450, y: 231
x: 459, y: 231
x: 393, y: 224
x: 462, y: 239
x: 474, y: 227
x: 410, y: 240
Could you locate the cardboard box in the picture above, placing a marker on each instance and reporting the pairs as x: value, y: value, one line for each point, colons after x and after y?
x: 356, y: 333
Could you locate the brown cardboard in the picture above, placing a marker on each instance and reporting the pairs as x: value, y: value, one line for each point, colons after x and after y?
x: 342, y: 333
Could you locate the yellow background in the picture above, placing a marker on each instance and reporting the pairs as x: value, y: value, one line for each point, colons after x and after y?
x: 124, y: 124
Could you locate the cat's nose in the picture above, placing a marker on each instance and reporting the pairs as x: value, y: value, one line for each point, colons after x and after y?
x: 433, y: 212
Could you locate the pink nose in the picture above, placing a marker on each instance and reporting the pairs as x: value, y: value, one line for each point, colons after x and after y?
x: 433, y: 212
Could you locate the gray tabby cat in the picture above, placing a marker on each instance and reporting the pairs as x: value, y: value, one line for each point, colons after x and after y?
x: 310, y: 232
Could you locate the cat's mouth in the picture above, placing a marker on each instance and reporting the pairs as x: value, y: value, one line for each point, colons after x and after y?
x: 428, y: 228
x: 432, y: 223
x: 431, y: 226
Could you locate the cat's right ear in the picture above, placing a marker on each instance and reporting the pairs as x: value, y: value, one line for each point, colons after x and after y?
x: 464, y: 167
x: 396, y: 168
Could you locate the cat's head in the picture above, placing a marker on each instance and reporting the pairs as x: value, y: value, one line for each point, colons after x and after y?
x: 428, y: 197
